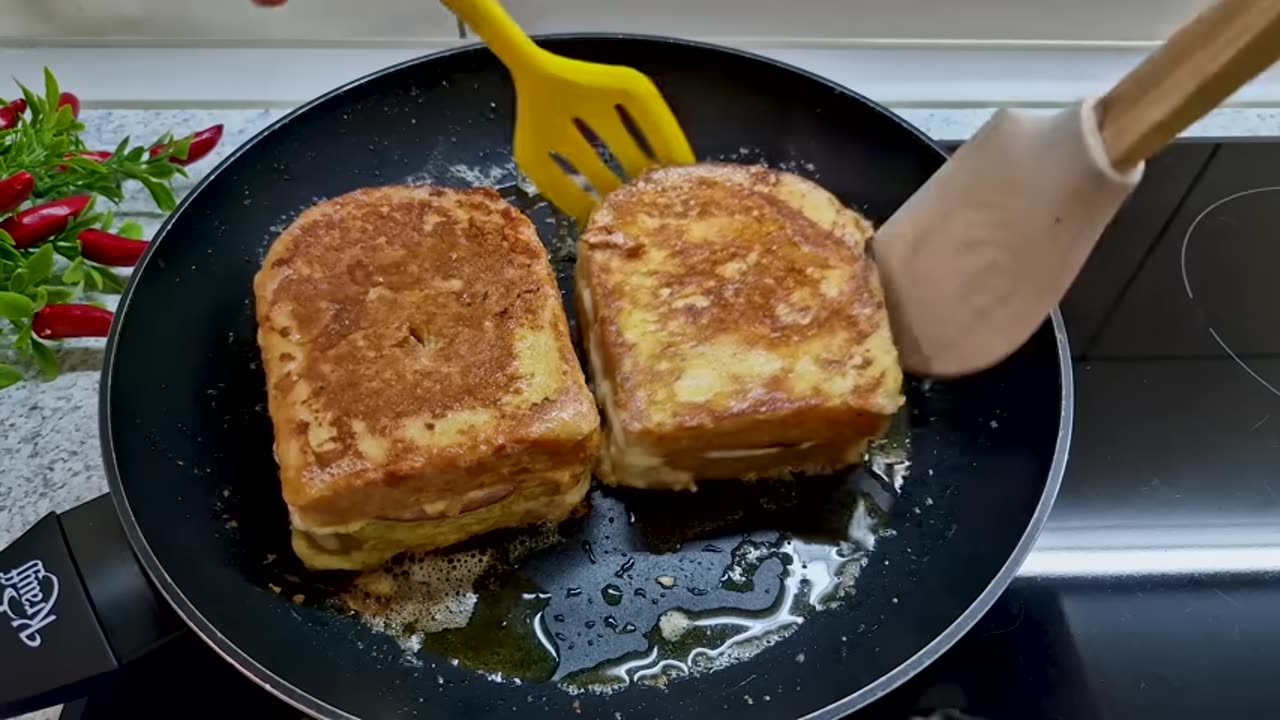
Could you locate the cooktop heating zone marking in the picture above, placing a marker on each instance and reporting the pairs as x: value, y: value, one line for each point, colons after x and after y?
x: 1186, y: 281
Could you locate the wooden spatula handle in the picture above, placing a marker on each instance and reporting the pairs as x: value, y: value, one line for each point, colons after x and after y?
x: 1204, y: 62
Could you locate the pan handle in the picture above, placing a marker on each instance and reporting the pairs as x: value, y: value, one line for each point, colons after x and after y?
x: 74, y: 606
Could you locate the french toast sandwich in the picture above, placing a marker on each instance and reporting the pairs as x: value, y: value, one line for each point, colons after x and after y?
x: 420, y: 378
x: 735, y: 328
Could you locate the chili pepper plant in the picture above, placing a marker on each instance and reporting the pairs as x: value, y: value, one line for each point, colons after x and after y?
x: 57, y: 240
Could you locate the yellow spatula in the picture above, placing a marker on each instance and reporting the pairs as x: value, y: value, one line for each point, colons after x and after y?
x: 557, y: 96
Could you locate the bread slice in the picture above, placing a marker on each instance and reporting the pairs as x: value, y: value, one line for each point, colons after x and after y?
x: 735, y: 326
x: 420, y: 377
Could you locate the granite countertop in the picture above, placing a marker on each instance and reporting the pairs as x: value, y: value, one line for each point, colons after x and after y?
x: 49, y: 454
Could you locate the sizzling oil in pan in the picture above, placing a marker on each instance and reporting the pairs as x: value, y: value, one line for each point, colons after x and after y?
x: 645, y: 587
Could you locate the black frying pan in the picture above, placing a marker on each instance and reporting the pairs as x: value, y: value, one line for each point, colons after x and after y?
x: 187, y: 442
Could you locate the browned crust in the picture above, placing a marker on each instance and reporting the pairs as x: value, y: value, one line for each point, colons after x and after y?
x: 390, y: 321
x: 768, y: 261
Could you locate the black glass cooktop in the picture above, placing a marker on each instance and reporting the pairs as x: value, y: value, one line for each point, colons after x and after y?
x: 1154, y: 591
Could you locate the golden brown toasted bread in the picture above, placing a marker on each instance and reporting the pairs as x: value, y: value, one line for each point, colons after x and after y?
x: 421, y: 382
x: 735, y: 327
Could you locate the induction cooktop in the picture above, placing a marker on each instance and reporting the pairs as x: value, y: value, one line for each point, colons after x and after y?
x: 1153, y: 591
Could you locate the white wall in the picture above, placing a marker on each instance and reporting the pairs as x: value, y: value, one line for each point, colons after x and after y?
x: 129, y: 22
x: 142, y: 22
x: 998, y: 20
x: 124, y: 53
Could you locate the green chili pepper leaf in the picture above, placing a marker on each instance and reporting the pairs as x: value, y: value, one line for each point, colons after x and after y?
x: 160, y: 193
x: 16, y: 307
x: 95, y: 277
x: 181, y: 148
x: 111, y: 283
x: 51, y: 90
x: 63, y: 119
x: 107, y: 188
x: 18, y: 282
x: 10, y: 255
x: 75, y: 273
x: 57, y: 294
x: 83, y: 164
x: 22, y: 343
x: 131, y: 230
x: 35, y: 105
x: 163, y: 170
x: 6, y: 239
x: 46, y: 359
x: 40, y: 265
x: 8, y: 376
x: 67, y: 248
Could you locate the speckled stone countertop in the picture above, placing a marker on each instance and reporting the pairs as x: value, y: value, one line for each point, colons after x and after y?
x: 49, y: 454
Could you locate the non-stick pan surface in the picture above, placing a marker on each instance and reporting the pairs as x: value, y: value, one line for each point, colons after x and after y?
x: 187, y: 441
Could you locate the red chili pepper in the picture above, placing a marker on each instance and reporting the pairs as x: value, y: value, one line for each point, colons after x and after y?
x: 19, y: 105
x: 107, y: 248
x: 15, y: 189
x: 8, y: 118
x: 37, y: 224
x: 70, y: 99
x: 94, y: 155
x: 201, y: 143
x: 68, y: 320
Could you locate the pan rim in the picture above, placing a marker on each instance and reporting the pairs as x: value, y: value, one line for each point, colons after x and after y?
x: 1004, y: 577
x: 312, y: 705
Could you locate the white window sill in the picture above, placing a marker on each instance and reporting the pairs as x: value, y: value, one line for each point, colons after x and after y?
x: 927, y: 74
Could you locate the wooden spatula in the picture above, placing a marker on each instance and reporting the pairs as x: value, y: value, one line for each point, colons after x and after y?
x: 976, y: 259
x: 558, y: 97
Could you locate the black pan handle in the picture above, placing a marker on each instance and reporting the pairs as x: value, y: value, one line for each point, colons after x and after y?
x: 74, y: 606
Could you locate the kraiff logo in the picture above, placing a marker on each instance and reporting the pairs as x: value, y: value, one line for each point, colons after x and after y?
x: 29, y: 595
